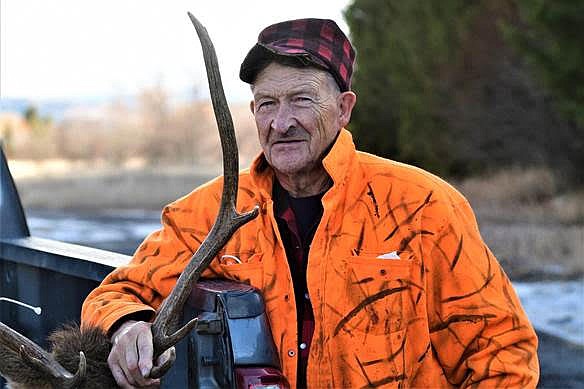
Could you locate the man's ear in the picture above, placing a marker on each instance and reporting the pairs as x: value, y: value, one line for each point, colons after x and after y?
x: 346, y: 101
x: 252, y: 107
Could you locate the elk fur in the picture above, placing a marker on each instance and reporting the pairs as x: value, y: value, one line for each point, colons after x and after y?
x: 65, y: 344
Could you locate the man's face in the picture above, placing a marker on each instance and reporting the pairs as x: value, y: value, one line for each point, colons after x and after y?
x: 298, y: 113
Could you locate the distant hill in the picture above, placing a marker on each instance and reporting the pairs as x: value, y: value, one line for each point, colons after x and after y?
x: 13, y: 105
x: 55, y: 109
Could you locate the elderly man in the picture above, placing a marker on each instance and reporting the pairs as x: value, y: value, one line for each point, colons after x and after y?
x: 373, y: 272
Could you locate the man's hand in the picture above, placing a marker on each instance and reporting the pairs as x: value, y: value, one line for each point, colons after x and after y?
x: 130, y: 359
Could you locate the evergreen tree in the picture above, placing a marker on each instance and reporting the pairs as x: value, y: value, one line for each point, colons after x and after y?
x: 440, y: 85
x: 549, y: 34
x: 401, y: 48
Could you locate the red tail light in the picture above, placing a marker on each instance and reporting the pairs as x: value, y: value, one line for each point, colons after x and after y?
x: 260, y: 378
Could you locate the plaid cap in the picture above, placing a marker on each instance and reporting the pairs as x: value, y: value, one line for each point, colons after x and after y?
x: 318, y: 42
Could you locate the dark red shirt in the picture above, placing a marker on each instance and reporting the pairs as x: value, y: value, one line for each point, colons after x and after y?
x: 297, y: 220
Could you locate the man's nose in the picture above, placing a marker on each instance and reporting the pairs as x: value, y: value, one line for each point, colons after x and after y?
x: 283, y: 119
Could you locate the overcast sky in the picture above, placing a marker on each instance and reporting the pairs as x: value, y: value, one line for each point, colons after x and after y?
x: 80, y: 48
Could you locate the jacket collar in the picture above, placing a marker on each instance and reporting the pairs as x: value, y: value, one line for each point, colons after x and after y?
x: 337, y: 164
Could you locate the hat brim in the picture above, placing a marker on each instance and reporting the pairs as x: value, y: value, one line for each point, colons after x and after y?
x: 262, y: 54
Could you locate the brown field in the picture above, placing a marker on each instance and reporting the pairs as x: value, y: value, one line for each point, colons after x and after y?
x: 535, y: 232
x: 144, y: 188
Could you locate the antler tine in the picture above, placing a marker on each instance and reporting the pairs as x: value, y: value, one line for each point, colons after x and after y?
x: 37, y: 358
x: 228, y: 219
x: 79, y: 377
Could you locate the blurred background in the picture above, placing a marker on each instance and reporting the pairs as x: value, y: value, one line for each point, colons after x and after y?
x: 105, y: 118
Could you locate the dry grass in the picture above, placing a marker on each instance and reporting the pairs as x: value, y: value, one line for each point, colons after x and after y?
x: 517, y: 195
x: 569, y: 207
x: 108, y: 189
x: 513, y: 185
x: 534, y: 231
x: 537, y: 251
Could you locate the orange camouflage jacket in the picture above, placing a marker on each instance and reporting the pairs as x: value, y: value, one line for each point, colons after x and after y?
x: 405, y: 292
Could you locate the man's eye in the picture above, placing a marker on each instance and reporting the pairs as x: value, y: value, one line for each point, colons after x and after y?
x: 265, y: 104
x: 303, y: 99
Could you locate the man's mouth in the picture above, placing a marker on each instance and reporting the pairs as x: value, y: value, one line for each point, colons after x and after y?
x: 284, y: 141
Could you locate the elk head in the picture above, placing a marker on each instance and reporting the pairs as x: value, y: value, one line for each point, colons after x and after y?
x: 27, y: 365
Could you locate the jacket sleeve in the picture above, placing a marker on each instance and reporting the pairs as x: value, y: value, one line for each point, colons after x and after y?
x: 478, y: 329
x: 138, y: 288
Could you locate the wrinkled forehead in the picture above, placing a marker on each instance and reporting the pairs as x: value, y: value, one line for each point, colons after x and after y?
x: 276, y: 76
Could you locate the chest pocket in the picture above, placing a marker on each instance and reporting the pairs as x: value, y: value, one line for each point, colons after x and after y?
x: 378, y: 294
x: 243, y: 267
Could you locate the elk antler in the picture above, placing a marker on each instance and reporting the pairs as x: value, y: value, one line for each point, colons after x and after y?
x: 16, y: 349
x: 40, y: 360
x: 227, y: 222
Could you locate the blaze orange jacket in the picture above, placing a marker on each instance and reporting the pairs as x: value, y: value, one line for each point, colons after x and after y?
x: 405, y: 292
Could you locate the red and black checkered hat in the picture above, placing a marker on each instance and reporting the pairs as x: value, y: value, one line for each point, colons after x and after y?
x: 317, y: 42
